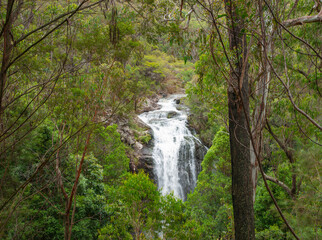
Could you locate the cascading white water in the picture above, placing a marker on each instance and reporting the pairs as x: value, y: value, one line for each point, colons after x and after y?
x: 174, y: 148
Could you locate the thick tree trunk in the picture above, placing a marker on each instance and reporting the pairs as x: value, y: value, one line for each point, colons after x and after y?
x: 242, y: 189
x: 238, y: 106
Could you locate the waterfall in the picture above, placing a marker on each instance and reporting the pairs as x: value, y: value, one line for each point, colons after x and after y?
x: 174, y: 151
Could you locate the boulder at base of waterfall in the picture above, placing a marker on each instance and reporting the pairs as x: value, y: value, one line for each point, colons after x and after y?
x: 172, y: 114
x: 179, y: 107
x: 149, y: 104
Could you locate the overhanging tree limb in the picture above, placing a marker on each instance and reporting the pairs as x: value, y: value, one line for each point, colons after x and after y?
x: 46, y: 35
x: 296, y: 37
x: 303, y: 20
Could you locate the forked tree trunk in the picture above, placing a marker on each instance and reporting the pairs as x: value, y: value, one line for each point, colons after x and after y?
x: 238, y: 106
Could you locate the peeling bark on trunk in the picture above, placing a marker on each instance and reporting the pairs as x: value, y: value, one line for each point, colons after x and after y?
x: 259, y: 119
x: 258, y: 123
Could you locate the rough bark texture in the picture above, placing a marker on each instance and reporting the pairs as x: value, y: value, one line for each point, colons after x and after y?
x: 241, y: 171
x: 238, y: 104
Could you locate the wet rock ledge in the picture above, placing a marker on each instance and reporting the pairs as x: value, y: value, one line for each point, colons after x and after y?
x: 145, y: 157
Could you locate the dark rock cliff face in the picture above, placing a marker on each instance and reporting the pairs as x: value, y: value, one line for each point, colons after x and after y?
x: 146, y: 161
x: 185, y: 172
x: 200, y: 153
x: 140, y: 154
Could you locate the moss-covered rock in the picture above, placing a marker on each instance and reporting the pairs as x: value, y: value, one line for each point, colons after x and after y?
x: 172, y: 114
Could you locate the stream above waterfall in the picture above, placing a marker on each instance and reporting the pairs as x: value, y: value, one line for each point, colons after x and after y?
x: 175, y: 149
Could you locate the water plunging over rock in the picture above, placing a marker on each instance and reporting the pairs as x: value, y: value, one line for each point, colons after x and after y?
x: 176, y: 153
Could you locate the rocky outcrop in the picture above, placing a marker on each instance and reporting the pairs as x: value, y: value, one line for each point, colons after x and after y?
x: 146, y: 161
x: 149, y: 104
x: 127, y: 134
x: 198, y: 124
x: 172, y: 114
x: 140, y: 154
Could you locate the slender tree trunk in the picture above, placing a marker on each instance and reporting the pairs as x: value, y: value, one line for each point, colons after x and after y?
x: 7, y: 49
x: 238, y: 106
x: 261, y: 92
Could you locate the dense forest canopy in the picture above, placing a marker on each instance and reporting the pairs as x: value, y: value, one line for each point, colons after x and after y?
x: 75, y: 75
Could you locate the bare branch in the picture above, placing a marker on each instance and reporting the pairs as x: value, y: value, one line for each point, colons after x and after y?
x: 303, y: 20
x: 288, y: 153
x: 281, y: 184
x: 292, y: 100
x: 296, y: 37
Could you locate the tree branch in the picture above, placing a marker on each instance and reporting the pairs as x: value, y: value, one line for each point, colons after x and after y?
x: 288, y: 153
x: 292, y: 100
x: 281, y: 184
x: 303, y: 20
x: 296, y: 37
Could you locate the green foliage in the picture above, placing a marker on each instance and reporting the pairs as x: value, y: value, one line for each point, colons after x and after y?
x: 133, y: 209
x: 42, y: 218
x: 173, y: 218
x: 210, y: 204
x: 265, y: 211
x: 102, y: 64
x: 90, y: 205
x: 111, y: 152
x: 166, y: 70
x: 271, y: 233
x: 308, y: 209
x: 145, y: 139
x: 206, y: 98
